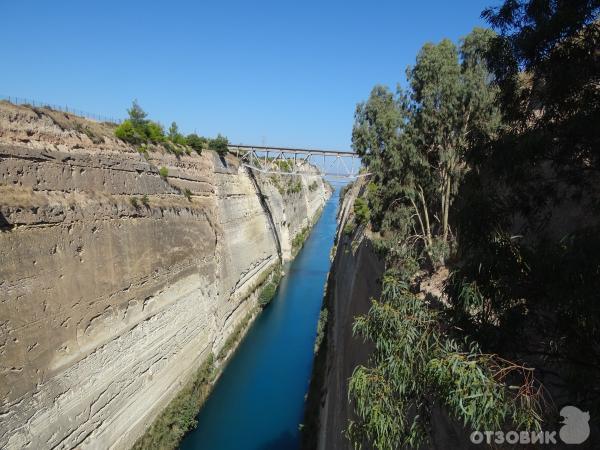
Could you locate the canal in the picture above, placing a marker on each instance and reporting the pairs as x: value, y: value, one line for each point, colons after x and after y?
x: 258, y: 402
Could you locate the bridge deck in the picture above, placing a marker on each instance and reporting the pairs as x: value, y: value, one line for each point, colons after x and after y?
x: 297, y: 151
x: 298, y: 160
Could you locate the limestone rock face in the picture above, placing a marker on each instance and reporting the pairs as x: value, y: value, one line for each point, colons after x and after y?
x: 354, y: 279
x: 117, y: 283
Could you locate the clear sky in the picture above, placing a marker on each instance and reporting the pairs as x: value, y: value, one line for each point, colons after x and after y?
x: 283, y: 73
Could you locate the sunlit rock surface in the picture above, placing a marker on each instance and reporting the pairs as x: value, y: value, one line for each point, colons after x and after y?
x: 114, y: 286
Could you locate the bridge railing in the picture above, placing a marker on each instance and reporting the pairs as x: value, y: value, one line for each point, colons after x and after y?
x: 293, y: 161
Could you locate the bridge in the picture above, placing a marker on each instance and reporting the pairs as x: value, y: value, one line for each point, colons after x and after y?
x: 297, y: 161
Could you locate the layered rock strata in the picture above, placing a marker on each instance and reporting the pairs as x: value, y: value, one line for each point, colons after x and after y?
x: 116, y: 283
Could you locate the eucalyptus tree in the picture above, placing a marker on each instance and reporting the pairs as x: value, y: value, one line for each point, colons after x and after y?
x: 415, y: 143
x: 452, y: 102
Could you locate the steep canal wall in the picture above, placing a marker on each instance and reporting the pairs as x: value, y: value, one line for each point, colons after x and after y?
x: 354, y: 278
x: 122, y: 272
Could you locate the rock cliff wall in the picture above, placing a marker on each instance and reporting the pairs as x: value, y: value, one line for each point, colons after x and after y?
x: 116, y: 283
x: 353, y: 280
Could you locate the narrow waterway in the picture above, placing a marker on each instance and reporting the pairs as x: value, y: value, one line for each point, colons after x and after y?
x: 258, y: 402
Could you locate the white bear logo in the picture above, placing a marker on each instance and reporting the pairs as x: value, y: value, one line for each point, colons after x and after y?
x: 576, y: 428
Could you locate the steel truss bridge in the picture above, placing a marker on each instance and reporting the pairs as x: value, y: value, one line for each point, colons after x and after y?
x: 297, y: 161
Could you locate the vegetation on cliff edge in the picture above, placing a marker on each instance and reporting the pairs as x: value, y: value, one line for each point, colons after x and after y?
x: 137, y: 129
x: 473, y: 167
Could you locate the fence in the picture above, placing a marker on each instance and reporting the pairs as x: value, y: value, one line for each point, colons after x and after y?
x: 63, y: 108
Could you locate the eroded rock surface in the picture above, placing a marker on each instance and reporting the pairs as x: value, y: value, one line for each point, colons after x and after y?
x: 114, y: 286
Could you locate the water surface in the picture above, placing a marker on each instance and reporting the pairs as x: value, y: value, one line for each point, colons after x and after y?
x: 258, y: 402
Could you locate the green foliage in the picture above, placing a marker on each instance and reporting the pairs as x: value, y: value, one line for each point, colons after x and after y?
x: 154, y: 132
x: 175, y: 136
x: 163, y: 172
x: 198, y: 143
x: 145, y: 200
x: 313, y: 186
x: 270, y: 289
x: 299, y: 239
x: 137, y: 129
x: 137, y: 115
x: 188, y: 194
x: 126, y: 132
x: 173, y: 148
x: 321, y: 328
x: 345, y: 190
x: 143, y: 150
x: 492, y: 142
x: 294, y: 187
x: 361, y: 211
x: 235, y: 336
x: 349, y: 228
x: 415, y: 143
x: 219, y: 145
x: 134, y: 202
x: 267, y: 294
x: 283, y: 165
x: 179, y: 416
x: 415, y: 363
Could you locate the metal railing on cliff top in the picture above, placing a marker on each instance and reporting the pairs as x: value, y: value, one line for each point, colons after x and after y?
x: 63, y: 108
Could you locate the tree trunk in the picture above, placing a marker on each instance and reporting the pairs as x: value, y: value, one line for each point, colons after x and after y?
x: 420, y: 222
x: 446, y: 204
x: 426, y: 214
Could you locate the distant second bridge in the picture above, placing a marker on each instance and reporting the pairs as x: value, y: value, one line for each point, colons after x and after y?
x: 296, y: 161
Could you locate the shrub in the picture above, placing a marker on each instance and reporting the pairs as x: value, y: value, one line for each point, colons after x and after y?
x: 154, y: 132
x: 235, y: 335
x: 298, y: 241
x: 137, y: 115
x: 143, y: 150
x: 188, y: 194
x: 196, y: 142
x: 267, y: 294
x: 138, y: 129
x: 321, y: 327
x: 145, y: 200
x: 175, y: 136
x: 349, y: 228
x: 179, y: 416
x: 345, y: 190
x: 163, y: 172
x: 284, y: 165
x: 294, y: 188
x: 361, y: 210
x: 173, y: 148
x: 126, y: 132
x: 219, y: 145
x: 134, y: 202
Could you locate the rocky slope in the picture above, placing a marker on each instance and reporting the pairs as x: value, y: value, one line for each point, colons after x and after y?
x: 117, y: 283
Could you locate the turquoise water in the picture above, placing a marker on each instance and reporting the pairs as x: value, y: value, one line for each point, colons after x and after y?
x: 258, y: 402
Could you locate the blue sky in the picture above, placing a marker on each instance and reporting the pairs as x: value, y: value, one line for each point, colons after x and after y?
x: 284, y: 73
